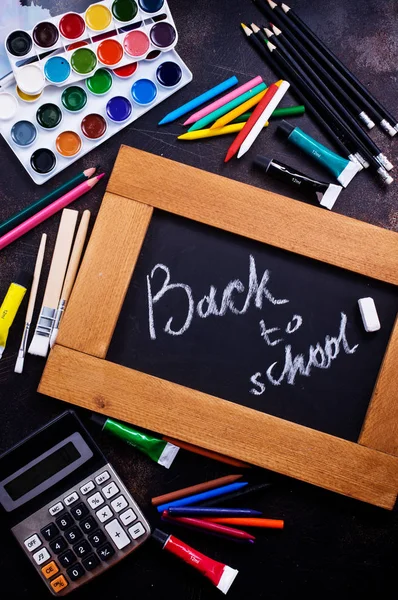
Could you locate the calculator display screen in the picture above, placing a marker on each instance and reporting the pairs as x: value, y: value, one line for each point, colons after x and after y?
x: 42, y: 471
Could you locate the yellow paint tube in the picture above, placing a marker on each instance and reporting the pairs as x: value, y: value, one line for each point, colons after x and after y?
x: 10, y: 305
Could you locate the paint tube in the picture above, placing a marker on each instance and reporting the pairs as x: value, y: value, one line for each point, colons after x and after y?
x: 222, y: 576
x: 160, y: 451
x: 343, y: 169
x: 324, y: 193
x: 11, y: 304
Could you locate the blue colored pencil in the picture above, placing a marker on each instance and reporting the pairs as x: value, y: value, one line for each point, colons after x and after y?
x: 195, y: 102
x: 201, y: 511
x: 225, y: 489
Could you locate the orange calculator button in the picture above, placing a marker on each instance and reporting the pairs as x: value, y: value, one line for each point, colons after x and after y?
x: 59, y: 583
x: 49, y: 570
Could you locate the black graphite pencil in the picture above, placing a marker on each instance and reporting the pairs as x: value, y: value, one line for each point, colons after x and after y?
x: 346, y: 149
x: 329, y: 98
x: 294, y: 34
x: 331, y: 114
x: 388, y: 117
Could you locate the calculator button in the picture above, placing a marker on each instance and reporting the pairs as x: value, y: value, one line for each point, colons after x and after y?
x: 64, y: 522
x: 103, y: 514
x: 106, y: 551
x: 82, y: 548
x: 49, y: 570
x: 67, y: 558
x: 97, y: 538
x: 59, y: 583
x: 41, y: 556
x: 58, y: 545
x: 90, y: 562
x: 110, y: 490
x: 87, y: 487
x: 89, y: 525
x: 128, y: 517
x: 119, y: 503
x: 73, y: 534
x: 71, y: 498
x: 54, y: 510
x: 33, y: 542
x: 50, y: 531
x: 95, y: 500
x: 137, y: 530
x: 75, y: 572
x: 79, y: 511
x: 117, y: 534
x: 102, y: 477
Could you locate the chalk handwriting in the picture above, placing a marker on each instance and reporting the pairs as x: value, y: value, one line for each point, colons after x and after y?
x: 294, y: 324
x: 256, y: 292
x: 319, y: 357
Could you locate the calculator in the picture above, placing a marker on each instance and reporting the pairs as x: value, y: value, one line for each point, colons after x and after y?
x: 66, y: 506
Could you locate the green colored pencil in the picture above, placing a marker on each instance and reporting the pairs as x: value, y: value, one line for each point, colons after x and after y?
x: 32, y: 209
x: 279, y: 113
x: 223, y: 110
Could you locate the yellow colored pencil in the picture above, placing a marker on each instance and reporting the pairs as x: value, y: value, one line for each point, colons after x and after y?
x: 239, y: 110
x: 206, y: 133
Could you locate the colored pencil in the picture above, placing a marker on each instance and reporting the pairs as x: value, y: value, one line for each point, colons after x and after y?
x: 199, y: 100
x: 202, y: 123
x: 314, y: 69
x: 224, y: 100
x: 31, y: 305
x: 197, y: 498
x: 317, y: 57
x: 251, y: 489
x: 71, y: 273
x: 332, y: 102
x: 210, y: 527
x: 195, y: 489
x: 34, y: 208
x: 49, y: 211
x: 256, y: 115
x: 204, y: 511
x: 239, y: 110
x: 253, y: 134
x: 279, y: 113
x: 207, y: 133
x: 247, y: 522
x: 208, y: 453
x: 340, y: 118
x: 388, y: 119
x: 345, y: 148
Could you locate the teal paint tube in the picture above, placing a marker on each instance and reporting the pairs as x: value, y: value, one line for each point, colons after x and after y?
x: 160, y: 451
x: 344, y: 170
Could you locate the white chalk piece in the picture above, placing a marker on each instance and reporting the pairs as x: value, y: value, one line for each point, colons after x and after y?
x: 369, y: 314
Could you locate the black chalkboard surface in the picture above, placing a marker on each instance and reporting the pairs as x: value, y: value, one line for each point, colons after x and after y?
x: 253, y: 324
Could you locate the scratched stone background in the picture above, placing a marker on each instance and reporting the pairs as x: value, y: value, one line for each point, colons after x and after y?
x: 331, y: 546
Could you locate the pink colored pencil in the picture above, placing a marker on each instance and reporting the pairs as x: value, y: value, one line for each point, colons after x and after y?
x: 221, y: 101
x: 49, y: 211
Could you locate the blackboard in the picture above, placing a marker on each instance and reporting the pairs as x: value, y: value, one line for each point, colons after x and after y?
x: 304, y: 302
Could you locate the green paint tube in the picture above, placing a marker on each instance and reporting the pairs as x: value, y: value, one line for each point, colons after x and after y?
x: 160, y: 451
x: 279, y: 113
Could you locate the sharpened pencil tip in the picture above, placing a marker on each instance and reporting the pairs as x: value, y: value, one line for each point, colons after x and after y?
x: 255, y: 28
x: 246, y: 29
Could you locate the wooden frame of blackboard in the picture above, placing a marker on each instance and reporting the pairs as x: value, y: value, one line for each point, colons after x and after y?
x: 77, y: 370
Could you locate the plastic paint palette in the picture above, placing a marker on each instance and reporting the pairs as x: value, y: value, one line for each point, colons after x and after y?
x: 64, y: 123
x: 112, y: 33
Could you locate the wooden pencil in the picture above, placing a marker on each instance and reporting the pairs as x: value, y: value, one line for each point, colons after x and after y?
x: 195, y: 489
x: 247, y: 522
x: 208, y: 453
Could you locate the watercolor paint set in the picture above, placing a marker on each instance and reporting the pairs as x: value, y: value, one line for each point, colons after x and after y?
x: 71, y: 46
x: 49, y: 131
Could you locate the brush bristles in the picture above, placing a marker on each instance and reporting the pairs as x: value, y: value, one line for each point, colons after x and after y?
x: 19, y: 364
x: 39, y: 345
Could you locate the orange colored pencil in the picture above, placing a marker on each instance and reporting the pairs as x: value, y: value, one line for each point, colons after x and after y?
x: 247, y: 522
x: 195, y: 489
x: 208, y: 453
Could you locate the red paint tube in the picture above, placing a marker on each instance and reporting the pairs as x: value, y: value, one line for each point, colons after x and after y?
x: 222, y: 576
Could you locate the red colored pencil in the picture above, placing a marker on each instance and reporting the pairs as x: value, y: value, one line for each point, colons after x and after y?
x: 265, y: 100
x: 247, y: 522
x: 211, y: 527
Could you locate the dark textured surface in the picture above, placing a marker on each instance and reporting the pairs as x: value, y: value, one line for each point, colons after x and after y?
x: 331, y: 545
